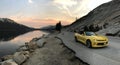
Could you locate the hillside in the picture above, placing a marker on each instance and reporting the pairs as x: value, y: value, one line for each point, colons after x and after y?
x: 106, y: 16
x: 10, y: 29
x: 10, y: 25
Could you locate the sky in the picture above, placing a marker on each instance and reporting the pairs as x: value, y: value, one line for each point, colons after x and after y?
x: 40, y: 13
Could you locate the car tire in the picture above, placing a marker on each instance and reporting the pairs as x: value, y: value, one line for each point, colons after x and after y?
x: 76, y: 39
x: 88, y: 44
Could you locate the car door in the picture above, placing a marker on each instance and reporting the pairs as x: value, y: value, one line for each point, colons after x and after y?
x: 77, y: 35
x: 84, y: 37
x: 80, y: 37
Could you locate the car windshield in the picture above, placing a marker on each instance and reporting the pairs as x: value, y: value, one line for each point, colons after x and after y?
x: 90, y: 33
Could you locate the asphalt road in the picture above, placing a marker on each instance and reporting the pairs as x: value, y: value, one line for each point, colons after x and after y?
x: 96, y: 56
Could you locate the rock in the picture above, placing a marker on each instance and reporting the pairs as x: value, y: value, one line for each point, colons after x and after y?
x: 31, y: 45
x: 22, y: 48
x: 40, y: 42
x: 20, y: 57
x: 9, y: 62
x: 34, y: 39
x: 7, y: 57
x: 44, y: 36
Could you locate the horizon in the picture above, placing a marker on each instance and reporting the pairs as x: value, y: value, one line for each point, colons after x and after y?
x: 40, y: 13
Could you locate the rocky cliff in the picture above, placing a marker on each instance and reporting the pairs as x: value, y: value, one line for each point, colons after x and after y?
x: 106, y: 16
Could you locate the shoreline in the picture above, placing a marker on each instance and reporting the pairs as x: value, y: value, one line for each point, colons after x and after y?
x: 19, y: 49
x: 28, y: 52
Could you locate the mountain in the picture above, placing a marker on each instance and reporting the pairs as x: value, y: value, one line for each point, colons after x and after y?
x: 10, y: 25
x: 106, y: 16
x: 49, y: 28
x: 9, y: 29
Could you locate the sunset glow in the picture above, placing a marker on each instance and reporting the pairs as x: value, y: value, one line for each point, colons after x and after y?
x: 39, y: 13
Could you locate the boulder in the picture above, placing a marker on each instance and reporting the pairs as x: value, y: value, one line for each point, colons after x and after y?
x: 44, y: 36
x: 22, y: 48
x: 31, y: 45
x: 9, y: 62
x: 20, y: 57
x: 34, y: 39
x: 40, y: 42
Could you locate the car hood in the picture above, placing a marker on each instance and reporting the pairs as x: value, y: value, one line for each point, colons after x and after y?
x: 99, y: 37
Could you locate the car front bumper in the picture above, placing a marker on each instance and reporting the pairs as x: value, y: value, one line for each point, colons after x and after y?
x: 100, y: 44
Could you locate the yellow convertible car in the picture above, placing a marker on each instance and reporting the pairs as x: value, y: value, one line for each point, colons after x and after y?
x: 91, y: 39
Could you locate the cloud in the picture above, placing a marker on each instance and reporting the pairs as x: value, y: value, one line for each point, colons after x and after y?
x: 77, y: 8
x: 73, y: 8
x: 66, y: 2
x: 65, y: 5
x: 82, y: 8
x: 30, y: 1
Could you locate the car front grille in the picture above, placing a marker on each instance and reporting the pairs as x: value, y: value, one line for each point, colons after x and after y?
x: 100, y: 40
x: 100, y: 44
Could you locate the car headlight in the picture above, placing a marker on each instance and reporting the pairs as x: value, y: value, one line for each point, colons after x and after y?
x: 106, y: 39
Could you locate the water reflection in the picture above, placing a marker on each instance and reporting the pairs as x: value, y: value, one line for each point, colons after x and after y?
x: 10, y: 42
x: 9, y: 35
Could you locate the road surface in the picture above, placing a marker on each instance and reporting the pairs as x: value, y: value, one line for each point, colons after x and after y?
x: 98, y: 56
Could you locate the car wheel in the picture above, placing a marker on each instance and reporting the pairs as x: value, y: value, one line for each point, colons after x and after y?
x: 76, y: 39
x: 88, y: 44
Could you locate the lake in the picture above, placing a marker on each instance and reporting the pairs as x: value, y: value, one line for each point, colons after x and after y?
x: 9, y: 44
